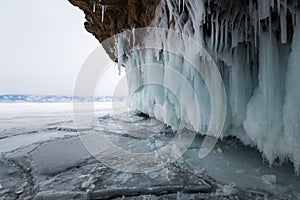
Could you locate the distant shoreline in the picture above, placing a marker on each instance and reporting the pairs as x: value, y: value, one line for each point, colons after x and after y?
x: 19, y: 98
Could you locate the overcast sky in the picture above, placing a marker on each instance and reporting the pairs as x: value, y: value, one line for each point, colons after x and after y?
x: 43, y: 44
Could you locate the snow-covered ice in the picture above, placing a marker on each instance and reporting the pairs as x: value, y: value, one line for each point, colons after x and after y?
x: 59, y: 166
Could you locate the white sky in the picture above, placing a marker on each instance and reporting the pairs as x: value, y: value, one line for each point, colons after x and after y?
x: 43, y: 44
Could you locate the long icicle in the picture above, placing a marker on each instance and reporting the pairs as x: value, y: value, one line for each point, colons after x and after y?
x: 103, y: 8
x: 283, y: 28
x: 278, y: 7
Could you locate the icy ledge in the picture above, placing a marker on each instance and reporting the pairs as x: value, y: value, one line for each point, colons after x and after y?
x: 257, y: 55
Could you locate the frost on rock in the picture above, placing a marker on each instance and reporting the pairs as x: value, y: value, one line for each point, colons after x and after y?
x: 256, y: 46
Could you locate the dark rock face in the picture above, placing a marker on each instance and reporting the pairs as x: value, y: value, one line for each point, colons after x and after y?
x: 106, y: 18
x: 109, y: 17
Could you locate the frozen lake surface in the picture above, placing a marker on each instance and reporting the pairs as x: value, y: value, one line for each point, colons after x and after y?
x: 43, y: 157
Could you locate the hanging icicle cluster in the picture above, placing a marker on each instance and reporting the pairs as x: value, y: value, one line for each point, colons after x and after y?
x: 254, y: 43
x: 101, y: 7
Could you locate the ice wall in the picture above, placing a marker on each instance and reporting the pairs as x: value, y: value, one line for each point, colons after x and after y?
x: 291, y: 109
x: 256, y: 45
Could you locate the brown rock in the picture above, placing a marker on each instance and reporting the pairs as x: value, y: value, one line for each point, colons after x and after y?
x: 120, y: 15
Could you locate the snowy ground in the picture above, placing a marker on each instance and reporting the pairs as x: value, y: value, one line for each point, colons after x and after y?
x: 43, y: 157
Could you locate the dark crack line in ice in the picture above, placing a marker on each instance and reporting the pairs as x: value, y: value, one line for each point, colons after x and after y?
x: 40, y: 143
x: 18, y: 134
x: 156, y: 191
x: 78, y: 165
x: 125, y: 135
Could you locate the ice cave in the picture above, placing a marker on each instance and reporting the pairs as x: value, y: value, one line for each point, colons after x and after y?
x: 254, y: 45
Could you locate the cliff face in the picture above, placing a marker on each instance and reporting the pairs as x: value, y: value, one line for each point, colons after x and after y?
x: 255, y: 44
x: 106, y: 18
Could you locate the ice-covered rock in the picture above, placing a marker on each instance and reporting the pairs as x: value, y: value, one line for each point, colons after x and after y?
x: 257, y: 66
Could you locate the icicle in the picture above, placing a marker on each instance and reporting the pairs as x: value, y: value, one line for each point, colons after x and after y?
x: 278, y: 7
x: 120, y: 49
x: 297, y: 17
x: 217, y: 33
x: 283, y: 28
x: 157, y: 54
x: 293, y: 19
x: 204, y: 18
x: 170, y: 10
x: 272, y: 4
x: 235, y: 37
x: 255, y: 27
x: 270, y: 27
x: 212, y: 32
x: 226, y: 34
x: 222, y: 35
x: 263, y: 9
x: 119, y: 68
x: 250, y: 6
x: 133, y: 36
x: 94, y: 8
x: 246, y: 28
x: 183, y: 5
x: 285, y: 6
x: 103, y: 8
x: 259, y: 26
x: 248, y: 54
x: 294, y: 14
